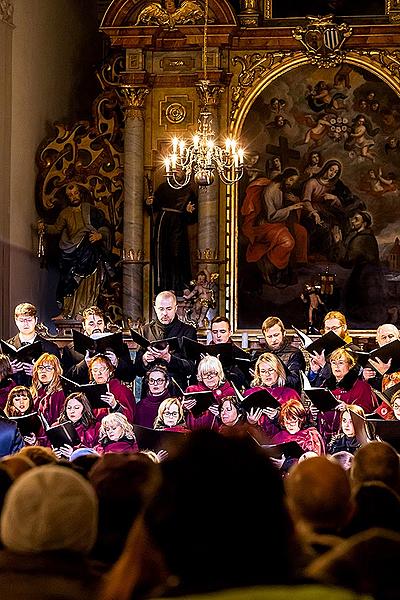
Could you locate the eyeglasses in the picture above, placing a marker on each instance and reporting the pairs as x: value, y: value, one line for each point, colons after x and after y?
x: 46, y: 368
x: 158, y: 381
x: 25, y: 319
x: 335, y: 328
x: 267, y: 371
x: 99, y: 370
x: 172, y: 414
x: 210, y: 375
x: 338, y: 363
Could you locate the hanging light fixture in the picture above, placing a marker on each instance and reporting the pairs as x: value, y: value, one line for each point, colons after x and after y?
x: 202, y: 156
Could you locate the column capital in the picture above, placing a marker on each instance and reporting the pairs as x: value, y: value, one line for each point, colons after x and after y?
x: 133, y: 99
x: 209, y: 93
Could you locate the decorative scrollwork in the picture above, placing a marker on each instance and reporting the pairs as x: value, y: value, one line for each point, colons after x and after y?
x: 388, y: 60
x: 253, y: 67
x: 323, y: 40
x: 189, y: 12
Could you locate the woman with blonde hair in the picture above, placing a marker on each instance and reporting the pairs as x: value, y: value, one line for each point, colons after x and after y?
x: 348, y: 388
x: 46, y: 388
x: 269, y: 374
x: 116, y: 435
x: 211, y: 378
x: 170, y: 416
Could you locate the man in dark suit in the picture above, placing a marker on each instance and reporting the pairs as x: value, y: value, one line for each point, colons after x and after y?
x: 25, y: 315
x: 166, y: 325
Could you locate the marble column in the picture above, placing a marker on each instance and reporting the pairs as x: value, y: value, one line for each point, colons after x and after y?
x: 133, y: 253
x: 208, y: 203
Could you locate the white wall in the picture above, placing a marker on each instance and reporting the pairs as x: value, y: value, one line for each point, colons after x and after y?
x: 54, y: 47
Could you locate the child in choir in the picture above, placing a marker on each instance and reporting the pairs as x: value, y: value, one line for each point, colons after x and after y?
x: 156, y: 381
x: 78, y: 410
x: 116, y: 435
x: 269, y: 373
x: 170, y: 416
x: 20, y: 403
x: 46, y: 387
x: 119, y: 397
x: 353, y: 433
x: 6, y: 381
x: 210, y: 376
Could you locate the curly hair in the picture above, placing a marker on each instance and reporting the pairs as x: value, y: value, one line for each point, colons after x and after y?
x: 115, y: 419
x: 55, y: 383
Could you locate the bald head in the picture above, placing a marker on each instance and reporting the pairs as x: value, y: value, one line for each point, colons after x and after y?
x: 376, y: 461
x: 318, y: 493
x: 387, y: 333
x: 165, y: 307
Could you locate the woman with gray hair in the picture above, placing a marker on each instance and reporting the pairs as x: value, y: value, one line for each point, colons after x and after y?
x: 211, y: 378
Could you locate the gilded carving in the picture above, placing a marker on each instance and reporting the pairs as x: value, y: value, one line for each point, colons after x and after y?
x: 323, y: 40
x: 132, y: 256
x: 388, y: 60
x: 181, y: 64
x: 189, y: 12
x: 209, y: 93
x: 253, y: 68
x: 6, y: 11
x: 176, y: 112
x: 133, y: 99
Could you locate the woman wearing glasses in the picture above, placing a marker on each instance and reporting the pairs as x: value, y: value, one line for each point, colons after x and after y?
x: 119, y: 397
x: 170, y: 416
x: 46, y: 387
x: 156, y: 383
x: 211, y: 378
x: 270, y: 374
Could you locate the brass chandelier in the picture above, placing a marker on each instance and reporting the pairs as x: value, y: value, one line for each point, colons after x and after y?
x: 201, y: 156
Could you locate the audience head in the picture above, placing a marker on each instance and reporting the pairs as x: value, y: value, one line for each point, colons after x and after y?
x: 343, y: 458
x: 387, y: 333
x: 376, y: 505
x: 376, y: 461
x: 210, y: 372
x: 16, y: 465
x: 220, y: 330
x: 39, y: 455
x: 101, y: 369
x: 236, y: 477
x: 93, y: 320
x: 165, y: 307
x: 335, y: 321
x: 269, y: 371
x: 124, y: 484
x: 49, y: 508
x: 19, y: 402
x: 25, y: 315
x: 170, y: 414
x: 319, y: 495
x: 274, y: 332
x: 5, y: 367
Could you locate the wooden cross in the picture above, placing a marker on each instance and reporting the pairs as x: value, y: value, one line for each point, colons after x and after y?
x: 283, y: 151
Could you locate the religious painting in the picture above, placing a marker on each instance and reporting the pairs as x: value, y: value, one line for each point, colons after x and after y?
x: 294, y: 8
x: 319, y: 204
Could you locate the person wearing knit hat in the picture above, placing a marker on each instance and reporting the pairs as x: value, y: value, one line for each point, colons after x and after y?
x: 48, y: 525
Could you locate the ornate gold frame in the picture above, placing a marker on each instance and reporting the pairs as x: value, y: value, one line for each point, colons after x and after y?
x: 381, y: 63
x: 391, y: 6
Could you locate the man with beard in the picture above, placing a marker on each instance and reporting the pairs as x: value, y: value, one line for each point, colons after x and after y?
x: 75, y: 365
x: 364, y: 293
x: 84, y: 244
x: 166, y: 325
x: 272, y: 227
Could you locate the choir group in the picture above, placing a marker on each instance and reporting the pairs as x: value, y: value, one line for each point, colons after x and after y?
x: 327, y: 396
